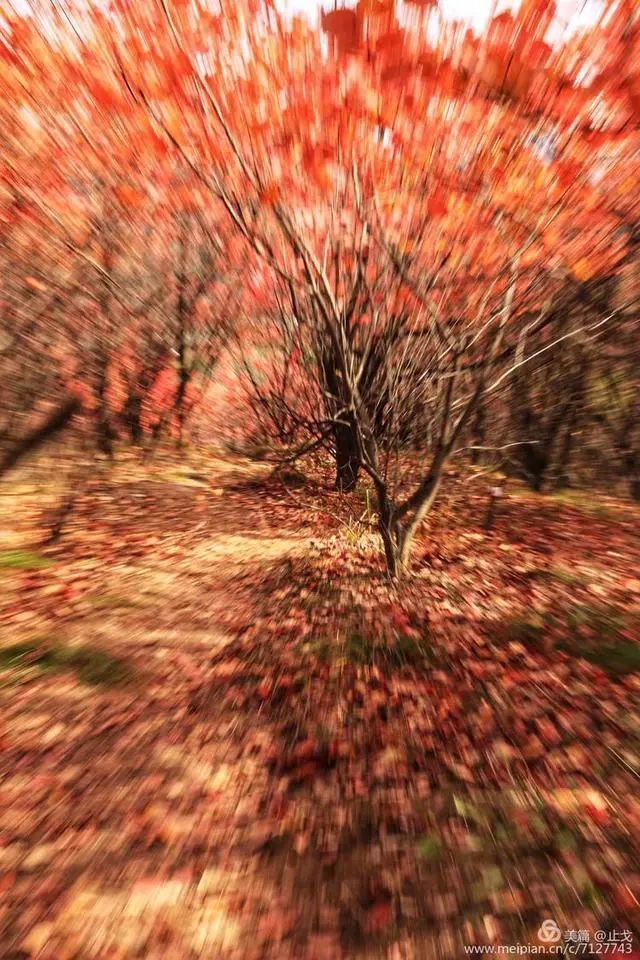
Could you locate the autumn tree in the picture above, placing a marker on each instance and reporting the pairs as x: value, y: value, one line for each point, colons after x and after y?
x: 422, y: 198
x: 476, y: 218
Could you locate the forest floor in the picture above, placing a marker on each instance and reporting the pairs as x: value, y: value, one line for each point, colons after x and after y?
x: 224, y: 734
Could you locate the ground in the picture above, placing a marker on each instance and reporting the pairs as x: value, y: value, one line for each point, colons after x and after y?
x: 225, y: 734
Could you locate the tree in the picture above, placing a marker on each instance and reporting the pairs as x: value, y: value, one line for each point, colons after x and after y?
x: 418, y: 201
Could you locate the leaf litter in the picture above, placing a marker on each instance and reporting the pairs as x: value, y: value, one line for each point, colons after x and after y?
x: 309, y: 761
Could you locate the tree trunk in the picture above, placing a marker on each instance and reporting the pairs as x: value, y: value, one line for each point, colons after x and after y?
x: 184, y: 371
x: 184, y: 375
x: 345, y: 433
x: 132, y: 416
x: 532, y: 456
x: 564, y: 457
x: 139, y: 388
x: 104, y: 433
x: 572, y: 421
x: 398, y: 542
x: 390, y: 532
x: 347, y: 457
x: 398, y: 537
x: 631, y: 462
x: 479, y: 436
x: 55, y: 422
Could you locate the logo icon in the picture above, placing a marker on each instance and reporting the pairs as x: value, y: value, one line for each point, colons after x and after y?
x: 549, y: 932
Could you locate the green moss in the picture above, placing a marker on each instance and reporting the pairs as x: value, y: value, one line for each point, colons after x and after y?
x: 589, y: 631
x: 108, y: 601
x: 590, y: 895
x: 619, y: 658
x: 584, y: 501
x: 561, y: 575
x: 23, y: 560
x: 528, y: 630
x: 403, y: 649
x: 430, y: 847
x: 362, y: 649
x: 605, y: 621
x: 92, y: 665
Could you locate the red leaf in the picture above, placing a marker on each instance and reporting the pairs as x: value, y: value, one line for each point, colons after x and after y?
x: 436, y: 206
x: 379, y: 916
